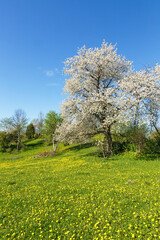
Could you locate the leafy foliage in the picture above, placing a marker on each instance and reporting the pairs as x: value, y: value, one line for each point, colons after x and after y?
x: 152, y: 144
x: 51, y: 122
x: 7, y: 141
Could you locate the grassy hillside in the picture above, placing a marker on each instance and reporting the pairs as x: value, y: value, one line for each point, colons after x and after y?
x: 77, y: 195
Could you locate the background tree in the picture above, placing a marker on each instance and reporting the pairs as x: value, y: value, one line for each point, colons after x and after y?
x: 6, y: 124
x: 30, y: 132
x: 144, y: 89
x: 52, y: 120
x: 153, y: 109
x: 39, y: 124
x: 19, y: 122
x: 16, y: 125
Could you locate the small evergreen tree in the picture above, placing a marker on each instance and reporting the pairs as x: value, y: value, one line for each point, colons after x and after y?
x: 30, y: 131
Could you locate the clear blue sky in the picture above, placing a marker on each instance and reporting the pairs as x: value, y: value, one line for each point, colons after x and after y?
x: 36, y: 36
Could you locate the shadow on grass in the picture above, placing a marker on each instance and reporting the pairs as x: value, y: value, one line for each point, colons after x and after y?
x: 76, y: 148
x: 148, y: 157
x: 123, y: 156
x: 81, y: 146
x: 92, y: 154
x: 120, y: 156
x: 34, y: 143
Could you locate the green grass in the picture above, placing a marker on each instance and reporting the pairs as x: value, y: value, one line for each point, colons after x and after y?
x: 78, y: 195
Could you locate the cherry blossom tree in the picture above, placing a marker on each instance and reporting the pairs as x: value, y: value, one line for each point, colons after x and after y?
x: 95, y: 99
x: 102, y: 91
x: 153, y: 104
x: 144, y: 90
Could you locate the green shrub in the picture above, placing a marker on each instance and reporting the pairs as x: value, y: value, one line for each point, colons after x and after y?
x: 36, y: 136
x: 152, y: 144
x: 6, y: 140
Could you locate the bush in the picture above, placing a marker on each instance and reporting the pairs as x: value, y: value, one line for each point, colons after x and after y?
x: 152, y: 145
x: 36, y: 136
x: 6, y: 141
x: 118, y: 147
x: 135, y: 138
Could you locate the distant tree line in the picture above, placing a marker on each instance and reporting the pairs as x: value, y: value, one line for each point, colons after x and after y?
x: 16, y: 130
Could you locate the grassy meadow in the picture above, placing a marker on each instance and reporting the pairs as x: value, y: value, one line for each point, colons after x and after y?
x: 76, y: 194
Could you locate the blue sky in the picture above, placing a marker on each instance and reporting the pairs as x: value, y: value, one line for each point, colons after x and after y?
x: 36, y: 36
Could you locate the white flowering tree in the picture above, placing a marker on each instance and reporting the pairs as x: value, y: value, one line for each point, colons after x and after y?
x: 95, y: 97
x: 144, y: 90
x: 153, y: 103
x: 102, y: 91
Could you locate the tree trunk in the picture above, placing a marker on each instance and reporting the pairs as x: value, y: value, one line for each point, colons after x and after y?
x: 135, y: 122
x: 18, y: 141
x: 108, y: 139
x: 17, y: 146
x: 157, y: 130
x: 103, y: 150
x: 54, y: 146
